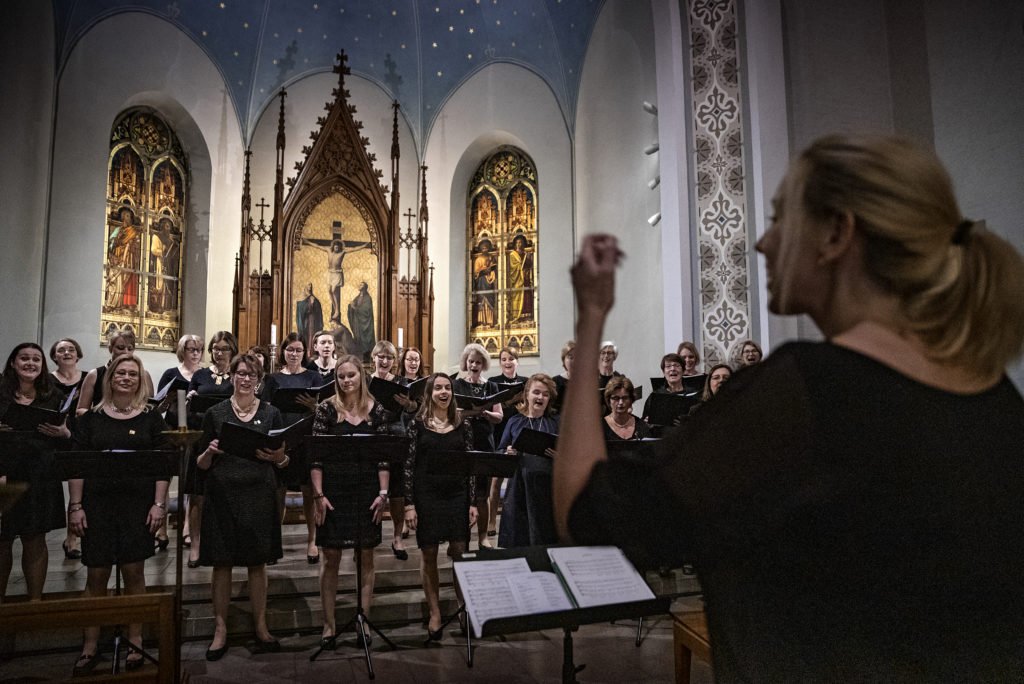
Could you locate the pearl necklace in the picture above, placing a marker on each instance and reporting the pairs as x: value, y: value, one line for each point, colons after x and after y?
x: 122, y: 411
x: 219, y: 377
x: 247, y: 410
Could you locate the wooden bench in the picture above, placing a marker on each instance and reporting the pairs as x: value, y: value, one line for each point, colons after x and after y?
x: 689, y: 638
x: 156, y: 609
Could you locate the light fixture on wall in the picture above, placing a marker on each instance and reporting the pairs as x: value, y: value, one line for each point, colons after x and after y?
x: 654, y: 182
x: 652, y: 148
x: 655, y: 219
x: 650, y: 109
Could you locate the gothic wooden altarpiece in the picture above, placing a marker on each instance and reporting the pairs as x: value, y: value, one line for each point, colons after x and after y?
x: 501, y: 241
x: 147, y: 179
x: 334, y: 246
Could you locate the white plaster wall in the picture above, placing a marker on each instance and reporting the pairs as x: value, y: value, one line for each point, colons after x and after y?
x: 153, y: 65
x: 303, y: 104
x: 612, y: 172
x: 976, y: 63
x: 500, y: 104
x: 26, y: 107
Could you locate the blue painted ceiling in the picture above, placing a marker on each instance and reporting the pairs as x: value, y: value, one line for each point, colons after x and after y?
x: 418, y: 51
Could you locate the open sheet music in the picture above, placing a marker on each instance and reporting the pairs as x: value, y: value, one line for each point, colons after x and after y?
x: 583, y: 576
x: 27, y: 418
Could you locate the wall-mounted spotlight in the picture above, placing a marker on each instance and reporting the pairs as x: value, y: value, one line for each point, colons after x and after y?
x: 654, y: 182
x: 650, y: 109
x: 651, y: 149
x: 654, y: 219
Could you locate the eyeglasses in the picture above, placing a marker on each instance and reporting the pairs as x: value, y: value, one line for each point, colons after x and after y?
x: 126, y: 374
x: 293, y: 351
x: 608, y: 353
x: 242, y: 375
x: 671, y: 366
x: 194, y: 350
x: 223, y: 350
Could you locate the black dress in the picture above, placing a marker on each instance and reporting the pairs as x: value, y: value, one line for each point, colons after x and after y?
x: 527, y: 518
x: 241, y: 522
x: 204, y: 383
x: 350, y: 492
x: 483, y: 431
x: 170, y: 375
x: 296, y: 474
x: 66, y: 391
x: 29, y: 458
x: 641, y: 430
x: 442, y: 501
x: 508, y: 409
x: 326, y: 375
x: 838, y: 537
x: 116, y: 506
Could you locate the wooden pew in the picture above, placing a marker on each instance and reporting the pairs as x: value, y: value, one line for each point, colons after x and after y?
x: 156, y: 609
x: 689, y: 637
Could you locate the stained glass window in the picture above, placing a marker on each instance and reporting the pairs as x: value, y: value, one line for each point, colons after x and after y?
x: 147, y: 183
x: 501, y: 239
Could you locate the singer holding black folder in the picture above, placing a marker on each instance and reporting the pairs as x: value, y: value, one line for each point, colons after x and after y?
x: 41, y: 508
x: 295, y: 477
x: 350, y: 411
x: 527, y: 519
x: 241, y: 526
x: 437, y: 507
x: 117, y: 515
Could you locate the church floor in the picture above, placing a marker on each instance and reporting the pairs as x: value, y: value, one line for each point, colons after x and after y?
x: 607, y: 650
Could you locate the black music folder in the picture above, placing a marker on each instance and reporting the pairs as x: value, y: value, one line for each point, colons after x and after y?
x: 240, y: 440
x: 286, y: 398
x: 28, y: 418
x: 534, y: 442
x: 664, y: 408
x: 466, y: 402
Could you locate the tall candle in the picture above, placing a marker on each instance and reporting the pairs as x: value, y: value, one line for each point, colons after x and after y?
x: 273, y: 334
x: 400, y: 334
x: 181, y: 409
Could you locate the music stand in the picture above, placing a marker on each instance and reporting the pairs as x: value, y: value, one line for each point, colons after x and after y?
x: 471, y: 464
x: 566, y: 620
x: 147, y: 465
x: 356, y: 456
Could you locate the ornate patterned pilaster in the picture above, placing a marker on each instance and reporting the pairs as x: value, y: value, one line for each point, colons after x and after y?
x: 721, y: 211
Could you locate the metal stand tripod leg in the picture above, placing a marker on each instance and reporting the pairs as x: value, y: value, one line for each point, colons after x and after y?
x: 569, y: 668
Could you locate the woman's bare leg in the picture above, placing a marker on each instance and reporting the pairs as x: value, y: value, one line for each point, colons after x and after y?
x: 397, y: 508
x: 34, y: 556
x: 195, y: 524
x: 134, y: 583
x: 258, y: 600
x: 96, y: 580
x: 428, y: 575
x: 329, y: 588
x: 220, y: 590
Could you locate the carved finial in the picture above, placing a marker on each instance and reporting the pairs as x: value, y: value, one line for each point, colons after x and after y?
x: 280, y: 122
x: 394, y: 132
x: 341, y: 69
x: 423, y: 196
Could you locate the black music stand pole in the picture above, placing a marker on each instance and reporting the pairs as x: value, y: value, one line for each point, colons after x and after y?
x: 129, y: 464
x: 485, y: 464
x: 183, y: 439
x: 361, y: 453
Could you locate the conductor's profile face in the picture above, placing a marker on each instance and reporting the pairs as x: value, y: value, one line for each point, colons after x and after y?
x: 442, y: 393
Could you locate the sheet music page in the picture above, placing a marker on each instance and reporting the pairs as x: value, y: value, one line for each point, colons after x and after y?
x: 507, y: 588
x: 599, y: 575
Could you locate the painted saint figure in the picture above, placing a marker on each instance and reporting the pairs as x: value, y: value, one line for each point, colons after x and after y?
x: 360, y: 318
x: 123, y: 253
x: 520, y: 277
x: 484, y: 281
x: 309, y: 316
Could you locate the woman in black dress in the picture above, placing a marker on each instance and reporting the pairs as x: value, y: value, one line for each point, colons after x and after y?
x: 295, y: 478
x: 475, y: 360
x: 562, y: 381
x: 508, y: 360
x: 211, y: 381
x: 619, y: 395
x: 438, y: 507
x: 410, y: 369
x: 30, y: 460
x: 241, y: 526
x: 527, y: 519
x: 118, y: 342
x: 350, y: 411
x: 68, y: 377
x: 117, y: 516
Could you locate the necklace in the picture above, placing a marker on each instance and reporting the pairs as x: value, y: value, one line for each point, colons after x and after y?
x: 629, y: 417
x: 218, y: 376
x: 433, y: 421
x: 243, y: 411
x: 122, y: 411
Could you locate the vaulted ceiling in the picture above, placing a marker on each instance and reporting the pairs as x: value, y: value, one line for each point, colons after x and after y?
x: 418, y: 51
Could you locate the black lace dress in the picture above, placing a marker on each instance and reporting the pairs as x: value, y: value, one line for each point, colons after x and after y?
x: 442, y: 501
x: 350, y: 490
x: 241, y: 522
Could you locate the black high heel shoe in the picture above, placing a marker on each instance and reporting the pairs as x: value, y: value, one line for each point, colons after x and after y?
x: 400, y: 554
x: 193, y: 564
x: 162, y: 544
x: 434, y: 636
x: 214, y: 654
x: 70, y: 554
x: 131, y: 664
x: 85, y: 664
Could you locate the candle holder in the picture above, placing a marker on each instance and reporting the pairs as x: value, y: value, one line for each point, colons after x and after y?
x: 183, y: 440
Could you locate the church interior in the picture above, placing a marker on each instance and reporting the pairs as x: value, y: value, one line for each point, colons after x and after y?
x: 440, y: 195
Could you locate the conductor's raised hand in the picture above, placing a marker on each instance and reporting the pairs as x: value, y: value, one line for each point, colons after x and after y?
x: 593, y: 274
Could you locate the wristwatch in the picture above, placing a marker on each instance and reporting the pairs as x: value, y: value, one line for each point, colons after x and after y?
x: 383, y: 493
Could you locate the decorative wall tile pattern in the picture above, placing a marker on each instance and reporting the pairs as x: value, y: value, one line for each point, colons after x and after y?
x: 720, y: 211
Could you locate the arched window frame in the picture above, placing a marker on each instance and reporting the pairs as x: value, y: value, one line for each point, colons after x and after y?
x: 144, y: 234
x: 489, y: 249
